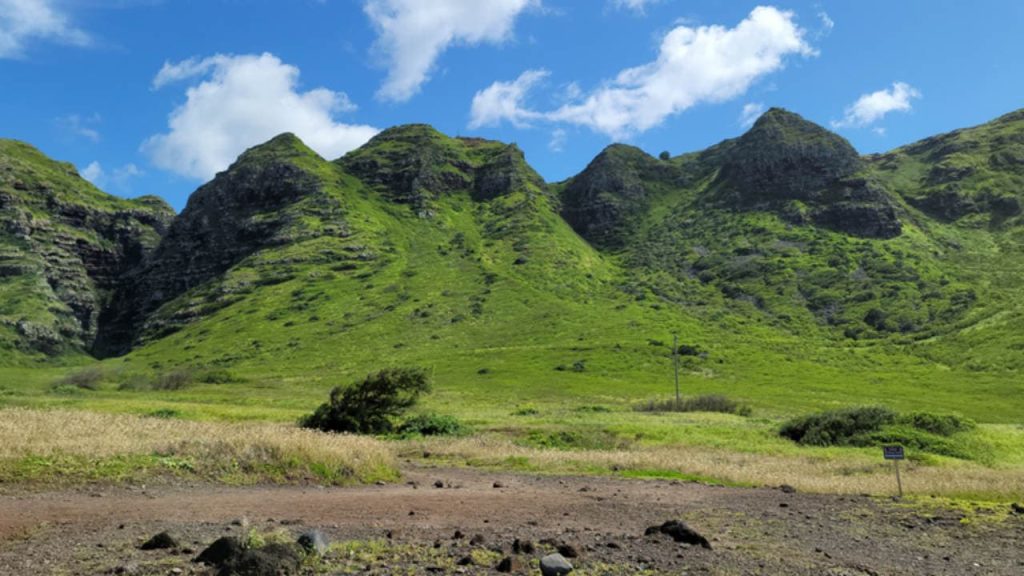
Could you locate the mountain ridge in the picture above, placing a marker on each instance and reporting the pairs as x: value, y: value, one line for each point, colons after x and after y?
x: 785, y: 227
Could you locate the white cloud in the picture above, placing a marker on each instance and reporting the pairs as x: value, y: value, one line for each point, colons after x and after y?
x: 412, y: 34
x: 872, y: 107
x: 558, y: 139
x: 93, y: 173
x: 504, y: 101
x: 80, y: 126
x: 119, y: 178
x: 186, y: 69
x: 751, y: 112
x: 22, y: 21
x: 638, y: 6
x: 695, y: 65
x: 243, y: 101
x: 827, y: 24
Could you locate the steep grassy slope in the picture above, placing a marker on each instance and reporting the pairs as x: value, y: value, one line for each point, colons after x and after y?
x: 798, y: 275
x: 788, y: 226
x: 63, y: 246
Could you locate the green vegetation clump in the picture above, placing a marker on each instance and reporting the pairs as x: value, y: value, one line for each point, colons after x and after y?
x: 705, y: 403
x: 941, y: 424
x: 877, y: 425
x: 174, y: 380
x: 582, y: 439
x: 85, y: 379
x: 372, y: 405
x: 432, y: 425
x: 170, y: 381
x: 843, y: 427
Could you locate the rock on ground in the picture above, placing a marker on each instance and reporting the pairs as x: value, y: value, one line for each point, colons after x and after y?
x: 554, y: 565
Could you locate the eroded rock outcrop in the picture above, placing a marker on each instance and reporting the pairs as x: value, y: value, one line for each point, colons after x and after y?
x: 64, y: 246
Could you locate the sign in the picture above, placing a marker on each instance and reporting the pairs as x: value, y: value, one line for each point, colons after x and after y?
x: 893, y: 452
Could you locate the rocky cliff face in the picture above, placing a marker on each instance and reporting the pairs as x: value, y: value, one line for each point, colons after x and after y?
x: 269, y: 197
x: 64, y: 246
x: 415, y: 164
x: 975, y: 173
x: 787, y: 164
x: 410, y: 164
x: 604, y: 201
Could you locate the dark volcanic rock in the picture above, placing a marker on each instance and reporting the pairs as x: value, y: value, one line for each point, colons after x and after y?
x: 523, y: 547
x: 860, y: 208
x: 785, y: 159
x: 510, y: 564
x: 270, y: 560
x: 161, y: 541
x: 602, y: 201
x: 680, y: 532
x: 504, y: 173
x: 568, y: 550
x: 409, y: 165
x: 314, y: 542
x: 222, y: 550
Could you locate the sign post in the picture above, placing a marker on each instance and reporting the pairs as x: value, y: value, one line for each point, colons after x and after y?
x: 895, y: 453
x: 675, y: 364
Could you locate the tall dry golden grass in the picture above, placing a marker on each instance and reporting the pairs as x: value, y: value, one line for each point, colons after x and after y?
x: 211, y: 450
x: 848, y: 475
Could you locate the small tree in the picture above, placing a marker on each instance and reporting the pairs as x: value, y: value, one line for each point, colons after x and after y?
x: 665, y: 155
x: 369, y: 406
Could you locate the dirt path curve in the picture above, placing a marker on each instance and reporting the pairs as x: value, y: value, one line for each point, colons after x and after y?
x: 758, y: 531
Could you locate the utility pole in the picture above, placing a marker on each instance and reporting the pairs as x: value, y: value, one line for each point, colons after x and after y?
x: 675, y: 363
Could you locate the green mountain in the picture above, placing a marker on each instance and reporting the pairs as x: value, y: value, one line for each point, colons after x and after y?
x: 781, y: 257
x: 64, y: 246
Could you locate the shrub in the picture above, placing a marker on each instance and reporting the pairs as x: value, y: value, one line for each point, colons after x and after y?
x: 85, y: 379
x: 706, y: 403
x: 432, y: 425
x: 135, y: 382
x: 845, y: 427
x: 173, y: 380
x: 370, y: 406
x: 217, y: 376
x: 941, y: 424
x: 665, y: 155
x: 876, y: 425
x: 582, y: 439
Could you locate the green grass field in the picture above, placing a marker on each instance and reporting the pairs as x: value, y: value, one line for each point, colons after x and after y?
x: 544, y: 345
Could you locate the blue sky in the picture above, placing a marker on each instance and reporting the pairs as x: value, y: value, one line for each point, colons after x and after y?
x: 153, y: 97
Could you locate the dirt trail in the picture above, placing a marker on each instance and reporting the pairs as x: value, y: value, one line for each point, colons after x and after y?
x: 752, y: 531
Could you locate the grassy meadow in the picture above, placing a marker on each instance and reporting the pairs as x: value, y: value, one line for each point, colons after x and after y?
x: 543, y: 345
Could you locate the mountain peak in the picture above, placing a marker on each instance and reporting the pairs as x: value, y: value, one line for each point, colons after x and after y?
x: 786, y: 157
x: 284, y: 145
x: 407, y: 133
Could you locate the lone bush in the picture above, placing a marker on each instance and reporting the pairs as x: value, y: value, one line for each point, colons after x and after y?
x: 706, y: 403
x: 85, y: 379
x: 845, y: 427
x: 371, y: 405
x: 173, y: 380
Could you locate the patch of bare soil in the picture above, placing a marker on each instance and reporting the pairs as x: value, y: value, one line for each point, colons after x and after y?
x: 603, y: 520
